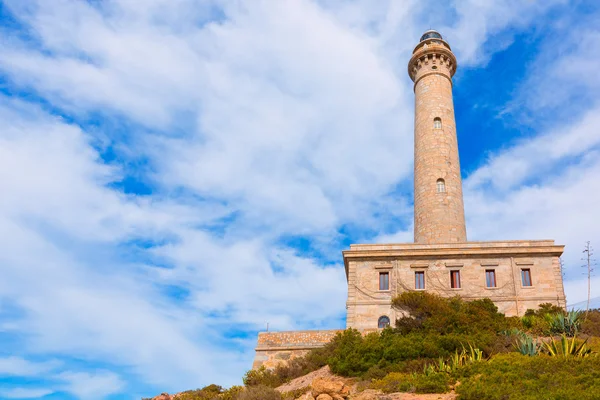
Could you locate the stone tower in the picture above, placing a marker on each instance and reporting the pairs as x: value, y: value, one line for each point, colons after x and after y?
x: 439, y: 209
x: 516, y: 275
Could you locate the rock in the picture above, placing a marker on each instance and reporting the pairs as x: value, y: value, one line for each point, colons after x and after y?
x: 324, y: 396
x: 163, y: 396
x: 366, y: 395
x: 329, y: 387
x: 306, y: 396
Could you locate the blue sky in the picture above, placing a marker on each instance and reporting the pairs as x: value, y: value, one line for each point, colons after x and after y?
x: 177, y: 174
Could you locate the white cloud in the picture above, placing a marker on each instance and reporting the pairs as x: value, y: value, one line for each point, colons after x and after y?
x: 276, y: 120
x: 25, y: 393
x: 17, y: 366
x: 91, y: 386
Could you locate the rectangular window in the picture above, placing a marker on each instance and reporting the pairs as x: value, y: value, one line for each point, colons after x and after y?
x: 455, y: 279
x: 419, y: 280
x: 526, y: 277
x: 490, y: 278
x: 384, y: 281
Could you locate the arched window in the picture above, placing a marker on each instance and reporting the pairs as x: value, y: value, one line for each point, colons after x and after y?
x: 437, y: 123
x: 441, y: 186
x: 383, y: 322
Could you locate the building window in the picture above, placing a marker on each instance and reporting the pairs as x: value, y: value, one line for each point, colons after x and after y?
x: 384, y: 281
x: 383, y: 322
x: 420, y: 280
x: 441, y: 185
x: 437, y: 123
x: 455, y: 279
x: 490, y: 278
x: 526, y: 277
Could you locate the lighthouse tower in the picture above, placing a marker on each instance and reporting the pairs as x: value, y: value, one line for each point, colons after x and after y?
x: 439, y: 209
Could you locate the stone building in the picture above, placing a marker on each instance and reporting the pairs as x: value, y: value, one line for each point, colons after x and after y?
x: 515, y: 275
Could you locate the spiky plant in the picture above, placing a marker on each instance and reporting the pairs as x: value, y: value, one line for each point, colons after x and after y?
x: 565, y: 323
x: 474, y: 354
x: 526, y: 345
x: 567, y: 348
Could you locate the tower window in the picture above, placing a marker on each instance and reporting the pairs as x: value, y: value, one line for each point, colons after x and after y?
x: 383, y: 322
x: 437, y: 123
x: 384, y: 281
x: 441, y: 185
x: 455, y: 279
x: 420, y: 280
x: 526, y: 277
x: 490, y: 278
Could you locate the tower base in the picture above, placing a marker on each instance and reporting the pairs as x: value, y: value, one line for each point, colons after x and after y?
x: 515, y: 275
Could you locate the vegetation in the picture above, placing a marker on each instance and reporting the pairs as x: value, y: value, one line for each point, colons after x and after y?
x: 567, y: 348
x: 212, y: 392
x: 526, y: 344
x: 442, y: 341
x: 591, y: 324
x: 295, y: 368
x: 419, y: 383
x: 513, y: 376
x: 259, y: 393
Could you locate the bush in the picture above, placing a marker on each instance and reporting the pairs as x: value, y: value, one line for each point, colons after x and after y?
x: 259, y: 393
x: 232, y: 393
x: 419, y: 383
x: 377, y: 354
x: 429, y: 312
x: 591, y: 323
x: 543, y: 309
x: 535, y: 324
x: 262, y: 377
x: 209, y: 392
x: 294, y: 368
x: 437, y: 327
x: 513, y: 376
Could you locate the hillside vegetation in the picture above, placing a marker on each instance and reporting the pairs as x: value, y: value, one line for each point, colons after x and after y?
x: 448, y: 344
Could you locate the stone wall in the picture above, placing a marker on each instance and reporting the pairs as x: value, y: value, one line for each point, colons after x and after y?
x: 276, y: 347
x: 366, y: 303
x: 439, y: 214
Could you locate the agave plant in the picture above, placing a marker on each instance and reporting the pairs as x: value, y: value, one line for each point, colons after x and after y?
x: 457, y: 360
x: 567, y: 348
x: 430, y: 369
x: 565, y: 323
x: 473, y: 355
x: 443, y: 366
x: 526, y: 345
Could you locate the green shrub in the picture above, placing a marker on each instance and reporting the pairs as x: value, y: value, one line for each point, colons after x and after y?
x: 262, y: 377
x: 232, y: 393
x: 419, y: 383
x: 294, y: 394
x: 513, y: 376
x: 294, y: 368
x: 429, y: 312
x: 209, y: 392
x: 543, y: 309
x: 591, y: 323
x: 259, y: 393
x: 420, y: 340
x: 301, y: 366
x: 535, y: 324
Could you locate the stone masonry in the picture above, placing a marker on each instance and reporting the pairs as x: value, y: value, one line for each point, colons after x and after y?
x: 439, y: 215
x: 515, y: 275
x: 276, y: 347
x: 366, y: 303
